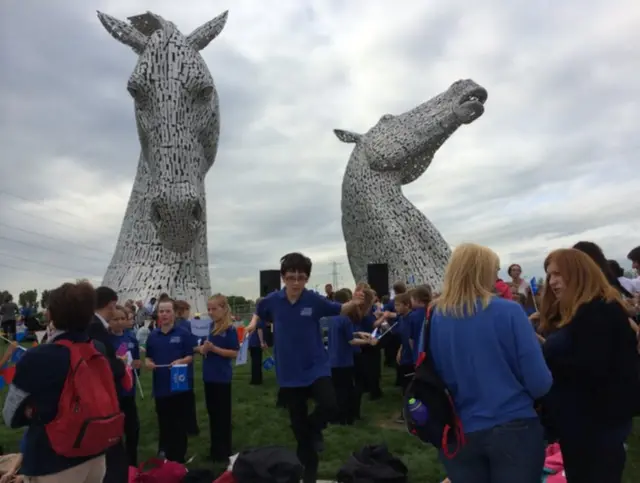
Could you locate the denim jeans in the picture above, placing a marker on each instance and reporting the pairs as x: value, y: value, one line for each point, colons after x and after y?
x: 509, y: 453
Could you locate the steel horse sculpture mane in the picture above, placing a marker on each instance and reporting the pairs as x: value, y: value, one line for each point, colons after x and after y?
x: 162, y: 245
x: 379, y: 224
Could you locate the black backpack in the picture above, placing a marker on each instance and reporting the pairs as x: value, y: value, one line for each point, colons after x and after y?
x: 373, y: 464
x: 443, y: 428
x: 268, y: 464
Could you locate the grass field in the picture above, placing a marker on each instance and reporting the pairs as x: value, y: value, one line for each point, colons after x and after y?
x: 257, y: 422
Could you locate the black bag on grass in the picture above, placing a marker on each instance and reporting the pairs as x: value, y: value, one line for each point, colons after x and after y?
x: 268, y: 464
x: 373, y: 464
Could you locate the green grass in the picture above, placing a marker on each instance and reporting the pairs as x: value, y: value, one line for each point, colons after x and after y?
x: 257, y: 422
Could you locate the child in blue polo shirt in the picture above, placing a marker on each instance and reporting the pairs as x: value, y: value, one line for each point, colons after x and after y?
x: 220, y: 348
x: 302, y: 363
x: 169, y: 346
x: 256, y: 345
x: 402, y: 329
x: 124, y: 341
x: 343, y: 339
x: 420, y: 300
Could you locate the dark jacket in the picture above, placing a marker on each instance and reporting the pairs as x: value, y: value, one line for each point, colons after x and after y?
x: 594, y: 364
x: 40, y: 376
x: 97, y: 331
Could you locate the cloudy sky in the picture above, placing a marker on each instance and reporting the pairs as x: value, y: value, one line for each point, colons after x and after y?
x: 549, y: 163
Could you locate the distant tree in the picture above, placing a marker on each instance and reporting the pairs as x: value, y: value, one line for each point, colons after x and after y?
x: 540, y: 281
x: 28, y: 297
x: 4, y: 294
x: 44, y: 298
x: 629, y: 274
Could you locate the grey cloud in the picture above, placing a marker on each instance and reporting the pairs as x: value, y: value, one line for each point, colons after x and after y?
x: 275, y: 186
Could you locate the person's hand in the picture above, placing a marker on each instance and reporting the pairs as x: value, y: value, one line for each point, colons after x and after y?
x: 136, y: 364
x: 8, y: 478
x: 251, y: 328
x: 264, y: 346
x: 28, y: 412
x: 149, y: 364
x: 177, y: 362
x: 373, y: 341
x: 364, y: 335
x: 358, y: 298
x: 208, y: 347
x: 398, y: 358
x: 389, y: 315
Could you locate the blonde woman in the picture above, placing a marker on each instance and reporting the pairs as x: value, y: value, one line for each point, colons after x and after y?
x: 486, y: 352
x: 591, y: 351
x: 220, y: 348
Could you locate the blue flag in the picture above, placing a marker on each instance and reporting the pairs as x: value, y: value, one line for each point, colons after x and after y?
x: 17, y: 354
x: 179, y: 381
x: 20, y: 336
x: 534, y: 286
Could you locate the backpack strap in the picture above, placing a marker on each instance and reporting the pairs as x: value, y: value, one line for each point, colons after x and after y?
x: 78, y: 351
x: 425, y: 338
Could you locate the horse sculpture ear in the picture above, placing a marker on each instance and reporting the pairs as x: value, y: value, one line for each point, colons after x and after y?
x: 123, y: 32
x: 347, y: 136
x: 203, y: 35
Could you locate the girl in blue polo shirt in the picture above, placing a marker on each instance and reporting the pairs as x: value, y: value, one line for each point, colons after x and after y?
x: 420, y: 300
x: 123, y: 340
x: 220, y: 348
x: 402, y: 329
x: 169, y: 346
x: 343, y: 340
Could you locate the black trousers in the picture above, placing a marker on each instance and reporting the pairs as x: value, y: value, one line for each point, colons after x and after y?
x: 359, y: 382
x: 598, y: 458
x: 256, y: 365
x: 372, y: 370
x: 9, y: 328
x: 217, y: 397
x: 307, y: 428
x: 192, y: 418
x: 347, y: 398
x: 404, y: 371
x: 172, y: 426
x: 117, y: 464
x: 390, y: 344
x: 131, y: 428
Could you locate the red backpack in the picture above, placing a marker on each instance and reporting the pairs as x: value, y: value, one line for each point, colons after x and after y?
x: 89, y: 419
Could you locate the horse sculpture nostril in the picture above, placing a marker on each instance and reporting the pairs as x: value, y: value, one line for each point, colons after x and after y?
x: 196, y: 212
x: 155, y: 213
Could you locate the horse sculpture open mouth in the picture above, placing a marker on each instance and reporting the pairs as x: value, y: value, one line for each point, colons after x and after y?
x: 471, y: 105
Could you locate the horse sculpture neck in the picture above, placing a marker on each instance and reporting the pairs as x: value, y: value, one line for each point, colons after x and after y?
x: 380, y: 225
x: 141, y: 265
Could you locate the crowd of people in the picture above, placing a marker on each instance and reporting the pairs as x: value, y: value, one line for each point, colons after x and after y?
x: 525, y: 366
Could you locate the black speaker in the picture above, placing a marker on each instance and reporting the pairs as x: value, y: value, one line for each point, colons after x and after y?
x: 378, y: 278
x: 269, y: 282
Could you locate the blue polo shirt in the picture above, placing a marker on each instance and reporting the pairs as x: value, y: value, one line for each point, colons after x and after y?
x: 164, y: 349
x: 417, y: 317
x: 340, y: 336
x: 390, y: 306
x: 131, y: 343
x: 254, y: 339
x: 403, y: 330
x: 300, y: 355
x: 216, y: 368
x: 366, y: 324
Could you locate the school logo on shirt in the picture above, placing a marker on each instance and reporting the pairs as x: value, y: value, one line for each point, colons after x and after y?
x: 306, y: 312
x: 175, y: 340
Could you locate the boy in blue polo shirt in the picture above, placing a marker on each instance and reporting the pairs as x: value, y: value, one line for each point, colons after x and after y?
x: 169, y: 346
x: 123, y: 341
x: 302, y: 363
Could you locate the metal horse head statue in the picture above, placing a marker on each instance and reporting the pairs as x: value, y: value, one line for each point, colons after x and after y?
x: 177, y: 115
